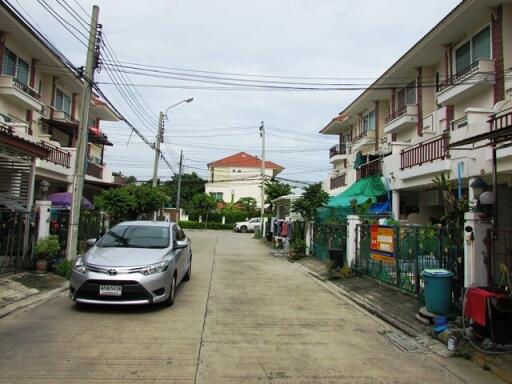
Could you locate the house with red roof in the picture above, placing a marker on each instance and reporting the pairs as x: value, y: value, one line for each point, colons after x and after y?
x: 237, y: 176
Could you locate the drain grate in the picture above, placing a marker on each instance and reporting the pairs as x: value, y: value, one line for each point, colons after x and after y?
x: 404, y: 342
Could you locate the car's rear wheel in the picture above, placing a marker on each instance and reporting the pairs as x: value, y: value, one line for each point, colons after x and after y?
x: 243, y: 229
x: 172, y: 292
x: 189, y: 271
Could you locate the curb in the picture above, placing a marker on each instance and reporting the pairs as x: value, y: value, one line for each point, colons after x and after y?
x: 362, y: 303
x: 33, y: 300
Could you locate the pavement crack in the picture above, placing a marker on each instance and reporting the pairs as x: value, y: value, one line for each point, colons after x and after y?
x: 206, y: 311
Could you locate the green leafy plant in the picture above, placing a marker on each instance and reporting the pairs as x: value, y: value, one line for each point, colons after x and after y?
x: 47, y: 248
x: 257, y: 233
x: 64, y: 269
x: 275, y: 189
x: 453, y: 208
x: 314, y: 197
x: 202, y: 225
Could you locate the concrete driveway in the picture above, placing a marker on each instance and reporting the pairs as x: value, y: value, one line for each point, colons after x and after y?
x: 244, y: 317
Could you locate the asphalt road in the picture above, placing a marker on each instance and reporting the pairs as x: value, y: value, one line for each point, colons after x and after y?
x: 244, y: 317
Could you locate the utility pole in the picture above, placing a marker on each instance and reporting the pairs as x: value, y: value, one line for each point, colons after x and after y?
x: 83, y: 131
x: 178, y: 196
x: 262, y: 135
x: 159, y: 136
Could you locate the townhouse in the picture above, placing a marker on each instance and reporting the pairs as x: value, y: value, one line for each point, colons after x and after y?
x: 40, y: 99
x: 442, y: 90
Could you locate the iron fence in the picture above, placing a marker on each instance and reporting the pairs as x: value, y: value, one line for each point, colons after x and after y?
x: 499, y: 251
x: 414, y: 249
x: 17, y: 239
x: 330, y: 242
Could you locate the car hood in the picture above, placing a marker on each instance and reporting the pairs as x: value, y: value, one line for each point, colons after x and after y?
x: 124, y: 257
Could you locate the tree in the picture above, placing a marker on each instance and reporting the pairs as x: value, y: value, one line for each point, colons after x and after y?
x: 248, y: 204
x: 453, y: 208
x: 203, y: 204
x: 191, y: 185
x: 314, y: 197
x: 275, y: 189
x: 130, y: 201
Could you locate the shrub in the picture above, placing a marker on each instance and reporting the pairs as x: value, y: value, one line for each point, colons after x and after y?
x: 64, y: 269
x: 202, y: 225
x: 47, y: 248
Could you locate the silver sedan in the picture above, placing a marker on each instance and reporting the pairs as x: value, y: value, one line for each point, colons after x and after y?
x: 136, y: 262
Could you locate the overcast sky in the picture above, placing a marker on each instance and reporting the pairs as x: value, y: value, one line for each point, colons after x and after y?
x: 352, y: 39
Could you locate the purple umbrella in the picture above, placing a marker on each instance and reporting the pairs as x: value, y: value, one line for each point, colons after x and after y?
x: 63, y: 199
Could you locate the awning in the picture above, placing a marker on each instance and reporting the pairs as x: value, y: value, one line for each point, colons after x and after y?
x: 362, y: 190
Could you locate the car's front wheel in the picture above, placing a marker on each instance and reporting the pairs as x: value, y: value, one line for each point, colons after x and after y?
x: 172, y: 292
x: 243, y: 229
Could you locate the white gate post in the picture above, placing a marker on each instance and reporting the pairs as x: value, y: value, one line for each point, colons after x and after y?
x: 352, y: 238
x: 43, y: 227
x: 475, y: 270
x: 309, y: 236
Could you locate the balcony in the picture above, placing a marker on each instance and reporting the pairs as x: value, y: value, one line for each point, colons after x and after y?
x: 94, y: 170
x: 64, y: 117
x: 57, y: 155
x: 338, y: 181
x: 368, y: 169
x: 425, y: 152
x: 362, y: 139
x: 403, y: 118
x: 19, y: 93
x: 338, y: 152
x: 467, y: 82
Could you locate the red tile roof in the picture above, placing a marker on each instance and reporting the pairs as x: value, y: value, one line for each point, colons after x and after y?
x: 243, y: 159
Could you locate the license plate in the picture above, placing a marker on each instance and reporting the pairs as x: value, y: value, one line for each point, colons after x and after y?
x: 111, y: 290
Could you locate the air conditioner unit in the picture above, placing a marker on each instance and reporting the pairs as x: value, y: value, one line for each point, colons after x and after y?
x: 432, y: 198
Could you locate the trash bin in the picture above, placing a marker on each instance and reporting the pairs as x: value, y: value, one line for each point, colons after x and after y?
x: 438, y: 290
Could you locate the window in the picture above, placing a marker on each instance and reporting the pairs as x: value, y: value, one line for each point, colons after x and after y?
x: 136, y: 236
x: 410, y: 93
x: 369, y: 122
x: 62, y: 102
x: 478, y: 47
x: 218, y: 196
x: 15, y: 66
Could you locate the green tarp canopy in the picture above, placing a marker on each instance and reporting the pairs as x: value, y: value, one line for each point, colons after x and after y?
x: 362, y: 190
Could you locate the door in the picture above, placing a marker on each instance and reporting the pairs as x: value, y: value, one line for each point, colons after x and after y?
x: 184, y: 254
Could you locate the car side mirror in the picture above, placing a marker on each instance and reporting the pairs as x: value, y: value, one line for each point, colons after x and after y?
x: 179, y: 244
x: 91, y: 242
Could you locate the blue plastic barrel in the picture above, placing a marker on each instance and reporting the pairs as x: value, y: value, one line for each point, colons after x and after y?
x: 438, y: 290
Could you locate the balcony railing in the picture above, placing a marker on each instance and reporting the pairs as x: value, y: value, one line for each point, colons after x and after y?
x: 500, y: 122
x: 424, y: 152
x: 359, y: 136
x: 338, y: 149
x: 338, y: 181
x: 25, y: 88
x: 368, y: 169
x: 94, y: 170
x: 57, y: 155
x: 402, y: 110
x: 454, y: 79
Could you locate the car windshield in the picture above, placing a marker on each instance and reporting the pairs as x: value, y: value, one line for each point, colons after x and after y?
x: 136, y: 236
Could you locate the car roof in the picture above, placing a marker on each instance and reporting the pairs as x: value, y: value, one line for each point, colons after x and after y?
x: 148, y: 223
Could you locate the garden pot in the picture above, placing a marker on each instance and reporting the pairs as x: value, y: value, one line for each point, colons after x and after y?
x: 41, y: 265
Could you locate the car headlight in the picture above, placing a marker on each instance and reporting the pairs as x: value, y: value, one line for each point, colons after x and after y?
x: 155, y: 268
x: 79, y: 266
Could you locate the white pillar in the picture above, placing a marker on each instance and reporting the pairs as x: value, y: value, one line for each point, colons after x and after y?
x: 309, y: 237
x: 352, y: 238
x: 44, y: 209
x: 200, y: 219
x: 223, y: 219
x: 395, y: 203
x: 475, y: 270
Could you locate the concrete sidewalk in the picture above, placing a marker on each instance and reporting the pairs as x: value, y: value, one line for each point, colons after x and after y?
x: 24, y: 289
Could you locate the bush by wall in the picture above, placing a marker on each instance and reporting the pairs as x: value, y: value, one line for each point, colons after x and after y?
x: 202, y: 225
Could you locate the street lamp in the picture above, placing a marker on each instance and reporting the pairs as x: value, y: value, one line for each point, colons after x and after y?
x: 159, y: 138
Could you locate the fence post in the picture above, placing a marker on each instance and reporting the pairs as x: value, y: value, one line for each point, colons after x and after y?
x: 309, y: 237
x: 43, y: 226
x: 416, y: 263
x: 396, y: 233
x: 352, y: 239
x: 475, y: 269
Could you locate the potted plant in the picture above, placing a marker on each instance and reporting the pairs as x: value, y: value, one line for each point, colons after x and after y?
x: 47, y: 248
x: 297, y: 249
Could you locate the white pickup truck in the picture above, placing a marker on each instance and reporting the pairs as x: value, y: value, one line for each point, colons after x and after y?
x: 248, y: 226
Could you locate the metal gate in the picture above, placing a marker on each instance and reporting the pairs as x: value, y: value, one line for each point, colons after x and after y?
x: 330, y: 242
x: 17, y: 239
x: 414, y: 248
x: 499, y: 251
